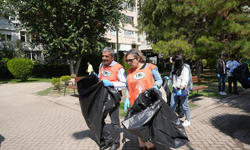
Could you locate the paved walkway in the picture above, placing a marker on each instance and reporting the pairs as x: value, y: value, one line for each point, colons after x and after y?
x: 31, y: 122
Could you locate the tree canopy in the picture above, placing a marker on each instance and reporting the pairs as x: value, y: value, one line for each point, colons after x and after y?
x: 198, y: 29
x: 69, y: 28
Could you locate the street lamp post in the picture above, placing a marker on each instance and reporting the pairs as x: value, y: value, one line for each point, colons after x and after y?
x: 117, y: 48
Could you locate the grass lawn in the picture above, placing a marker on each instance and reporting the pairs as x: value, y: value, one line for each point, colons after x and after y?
x: 30, y: 80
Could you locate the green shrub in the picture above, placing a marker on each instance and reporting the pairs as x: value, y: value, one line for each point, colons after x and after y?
x: 160, y: 67
x: 57, y: 83
x: 169, y: 66
x: 204, y: 63
x: 65, y: 79
x: 20, y: 68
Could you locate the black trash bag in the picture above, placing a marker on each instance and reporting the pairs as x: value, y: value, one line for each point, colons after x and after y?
x: 96, y: 102
x: 242, y: 74
x: 151, y: 119
x: 166, y: 88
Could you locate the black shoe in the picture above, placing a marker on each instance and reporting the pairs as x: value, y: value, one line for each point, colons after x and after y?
x: 114, y: 147
x: 105, y: 146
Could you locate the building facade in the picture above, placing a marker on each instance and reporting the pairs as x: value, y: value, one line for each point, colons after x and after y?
x: 13, y: 38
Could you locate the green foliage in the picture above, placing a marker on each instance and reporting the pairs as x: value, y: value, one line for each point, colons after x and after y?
x: 169, y: 66
x: 70, y: 28
x: 124, y: 64
x: 4, y: 60
x: 50, y: 70
x: 204, y: 63
x: 160, y: 67
x: 197, y: 29
x: 57, y: 83
x: 20, y: 68
x: 65, y: 78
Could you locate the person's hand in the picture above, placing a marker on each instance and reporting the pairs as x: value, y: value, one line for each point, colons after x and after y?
x: 155, y: 87
x: 107, y: 83
x: 126, y: 104
x: 249, y: 78
x: 218, y: 75
x: 231, y: 70
x: 190, y: 89
x: 166, y: 77
x: 245, y: 62
x: 179, y: 92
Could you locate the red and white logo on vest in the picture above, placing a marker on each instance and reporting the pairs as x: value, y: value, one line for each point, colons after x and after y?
x: 106, y: 73
x: 139, y: 75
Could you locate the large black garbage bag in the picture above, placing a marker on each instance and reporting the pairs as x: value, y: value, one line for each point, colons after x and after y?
x: 96, y: 102
x: 151, y: 119
x: 242, y: 74
x: 166, y: 88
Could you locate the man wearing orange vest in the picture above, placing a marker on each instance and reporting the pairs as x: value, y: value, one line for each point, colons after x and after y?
x: 112, y: 75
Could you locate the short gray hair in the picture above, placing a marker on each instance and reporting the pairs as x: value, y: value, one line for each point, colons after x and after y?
x: 109, y: 49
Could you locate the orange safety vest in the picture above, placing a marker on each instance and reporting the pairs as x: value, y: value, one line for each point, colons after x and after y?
x: 110, y: 73
x: 138, y: 81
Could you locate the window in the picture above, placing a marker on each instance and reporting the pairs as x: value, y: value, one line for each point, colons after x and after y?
x: 8, y: 37
x: 113, y: 32
x: 22, y: 36
x: 129, y: 33
x: 128, y: 6
x: 129, y: 19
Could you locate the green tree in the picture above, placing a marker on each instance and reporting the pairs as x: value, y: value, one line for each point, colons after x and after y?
x: 198, y: 29
x: 20, y: 68
x: 68, y: 28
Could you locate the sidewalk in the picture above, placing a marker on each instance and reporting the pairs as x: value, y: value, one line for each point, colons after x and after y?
x: 30, y: 122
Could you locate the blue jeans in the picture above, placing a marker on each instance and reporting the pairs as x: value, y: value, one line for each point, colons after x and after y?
x: 184, y: 102
x: 222, y: 80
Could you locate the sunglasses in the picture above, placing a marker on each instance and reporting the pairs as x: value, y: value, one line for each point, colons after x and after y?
x: 129, y: 60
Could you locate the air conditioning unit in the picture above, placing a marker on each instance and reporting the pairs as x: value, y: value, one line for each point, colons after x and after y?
x: 133, y: 41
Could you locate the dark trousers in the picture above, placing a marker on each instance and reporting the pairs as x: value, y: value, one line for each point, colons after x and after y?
x: 230, y: 81
x: 114, y: 136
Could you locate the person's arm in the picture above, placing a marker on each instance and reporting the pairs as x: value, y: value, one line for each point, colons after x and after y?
x: 190, y: 77
x: 121, y: 84
x: 157, y: 77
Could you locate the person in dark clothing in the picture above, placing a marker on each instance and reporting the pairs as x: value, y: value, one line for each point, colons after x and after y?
x: 221, y: 70
x: 231, y: 65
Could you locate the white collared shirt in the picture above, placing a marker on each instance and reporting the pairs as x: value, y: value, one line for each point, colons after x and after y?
x: 182, y: 80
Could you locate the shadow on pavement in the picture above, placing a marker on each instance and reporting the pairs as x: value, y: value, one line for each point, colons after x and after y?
x: 1, y: 139
x: 231, y: 124
x: 85, y: 134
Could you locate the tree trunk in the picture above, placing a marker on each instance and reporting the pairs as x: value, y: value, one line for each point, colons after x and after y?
x: 78, y: 63
x: 71, y: 66
x: 199, y: 68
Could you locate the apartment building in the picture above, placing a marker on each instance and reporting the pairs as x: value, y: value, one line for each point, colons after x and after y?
x: 10, y: 35
x: 127, y: 37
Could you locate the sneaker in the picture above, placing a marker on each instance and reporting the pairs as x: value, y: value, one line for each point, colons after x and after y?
x: 223, y: 93
x: 220, y: 93
x: 186, y: 123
